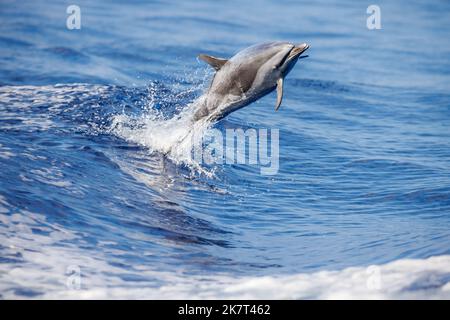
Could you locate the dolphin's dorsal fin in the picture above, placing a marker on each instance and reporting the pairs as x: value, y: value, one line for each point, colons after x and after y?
x: 279, y: 93
x: 214, y: 62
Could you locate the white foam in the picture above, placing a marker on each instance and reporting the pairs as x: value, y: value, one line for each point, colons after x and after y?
x: 176, y: 137
x: 402, y: 279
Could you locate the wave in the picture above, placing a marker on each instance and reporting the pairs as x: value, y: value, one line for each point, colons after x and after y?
x: 27, y: 271
x: 33, y: 273
x: 401, y: 279
x: 158, y: 118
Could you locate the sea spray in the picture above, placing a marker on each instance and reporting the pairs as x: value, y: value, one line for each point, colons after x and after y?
x: 177, y: 137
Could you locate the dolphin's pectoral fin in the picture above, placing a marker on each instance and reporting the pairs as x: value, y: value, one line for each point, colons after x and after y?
x: 214, y: 62
x: 279, y: 93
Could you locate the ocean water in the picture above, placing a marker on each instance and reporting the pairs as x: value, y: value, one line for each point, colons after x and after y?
x: 92, y: 206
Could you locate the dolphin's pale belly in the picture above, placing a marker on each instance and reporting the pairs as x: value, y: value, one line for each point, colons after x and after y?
x: 214, y: 109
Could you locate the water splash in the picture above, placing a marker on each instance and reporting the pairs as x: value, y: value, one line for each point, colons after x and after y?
x: 176, y: 135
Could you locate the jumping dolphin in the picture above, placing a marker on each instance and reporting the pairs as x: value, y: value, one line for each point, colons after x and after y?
x: 249, y: 75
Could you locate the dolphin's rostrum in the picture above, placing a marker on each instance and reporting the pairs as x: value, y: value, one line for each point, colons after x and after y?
x: 249, y: 75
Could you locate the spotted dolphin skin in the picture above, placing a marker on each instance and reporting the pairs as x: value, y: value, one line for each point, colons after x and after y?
x: 249, y: 75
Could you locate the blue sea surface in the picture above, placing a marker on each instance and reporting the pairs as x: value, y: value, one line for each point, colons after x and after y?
x: 364, y: 167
